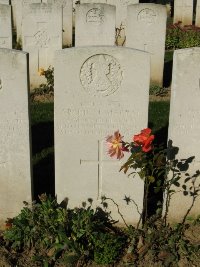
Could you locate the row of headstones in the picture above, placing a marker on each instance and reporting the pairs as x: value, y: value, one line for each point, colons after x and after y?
x: 97, y: 91
x: 183, y: 11
x: 19, y: 10
x: 95, y: 25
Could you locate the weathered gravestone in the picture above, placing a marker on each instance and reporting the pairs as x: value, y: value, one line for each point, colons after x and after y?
x: 146, y: 29
x: 6, y: 28
x: 15, y: 169
x: 98, y: 90
x: 41, y: 36
x: 95, y: 25
x: 19, y: 5
x: 67, y: 9
x: 183, y: 11
x: 197, y: 19
x: 184, y: 126
x: 121, y: 16
x: 5, y: 2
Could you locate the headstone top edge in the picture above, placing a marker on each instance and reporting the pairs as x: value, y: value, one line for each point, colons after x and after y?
x: 12, y: 51
x: 98, y: 48
x: 147, y: 5
x: 96, y: 4
x: 187, y: 50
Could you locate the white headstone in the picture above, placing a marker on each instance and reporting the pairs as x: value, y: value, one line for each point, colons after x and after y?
x: 121, y: 16
x: 98, y: 90
x: 41, y: 36
x: 146, y: 30
x: 19, y: 5
x: 67, y: 9
x: 15, y: 168
x: 197, y: 19
x: 184, y: 123
x: 183, y: 11
x: 5, y: 2
x: 95, y: 25
x: 6, y: 27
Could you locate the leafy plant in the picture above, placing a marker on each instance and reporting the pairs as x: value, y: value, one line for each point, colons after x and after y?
x: 156, y: 90
x: 41, y: 225
x: 48, y: 87
x: 178, y: 36
x: 73, y: 233
x: 108, y: 247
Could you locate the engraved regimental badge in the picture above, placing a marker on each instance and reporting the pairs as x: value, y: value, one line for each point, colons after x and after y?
x: 101, y: 75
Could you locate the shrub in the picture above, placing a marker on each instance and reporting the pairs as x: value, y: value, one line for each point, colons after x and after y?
x: 178, y: 36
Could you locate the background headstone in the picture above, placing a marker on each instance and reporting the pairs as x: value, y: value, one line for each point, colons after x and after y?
x: 146, y: 30
x: 41, y: 36
x: 18, y: 6
x: 184, y: 123
x: 183, y: 11
x: 15, y: 168
x: 5, y: 2
x: 6, y: 26
x: 98, y: 90
x: 67, y: 9
x: 121, y: 16
x: 95, y: 25
x: 197, y: 19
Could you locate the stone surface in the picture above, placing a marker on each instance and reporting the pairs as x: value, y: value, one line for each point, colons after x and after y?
x: 95, y: 25
x: 184, y: 123
x: 15, y: 168
x: 98, y: 90
x: 183, y: 11
x: 18, y: 7
x: 121, y: 16
x: 42, y: 35
x: 146, y: 30
x: 197, y: 19
x: 6, y: 27
x: 67, y: 19
x: 5, y: 2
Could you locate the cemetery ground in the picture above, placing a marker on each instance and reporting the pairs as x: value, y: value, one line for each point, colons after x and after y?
x: 83, y: 237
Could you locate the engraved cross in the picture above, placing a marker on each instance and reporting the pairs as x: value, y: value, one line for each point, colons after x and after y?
x: 100, y: 162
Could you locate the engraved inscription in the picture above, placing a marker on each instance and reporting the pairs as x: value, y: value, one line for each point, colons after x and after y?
x: 96, y: 121
x: 101, y: 75
x: 95, y: 15
x: 147, y: 15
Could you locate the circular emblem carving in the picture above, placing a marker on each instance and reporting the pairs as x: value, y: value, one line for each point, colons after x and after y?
x: 147, y: 15
x: 95, y: 15
x: 101, y: 75
x: 41, y: 38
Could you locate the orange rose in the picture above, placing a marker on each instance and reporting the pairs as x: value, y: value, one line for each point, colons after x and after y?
x: 144, y: 139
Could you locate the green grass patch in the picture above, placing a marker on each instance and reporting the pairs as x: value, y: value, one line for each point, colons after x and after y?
x: 169, y: 55
x: 158, y: 115
x: 41, y: 112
